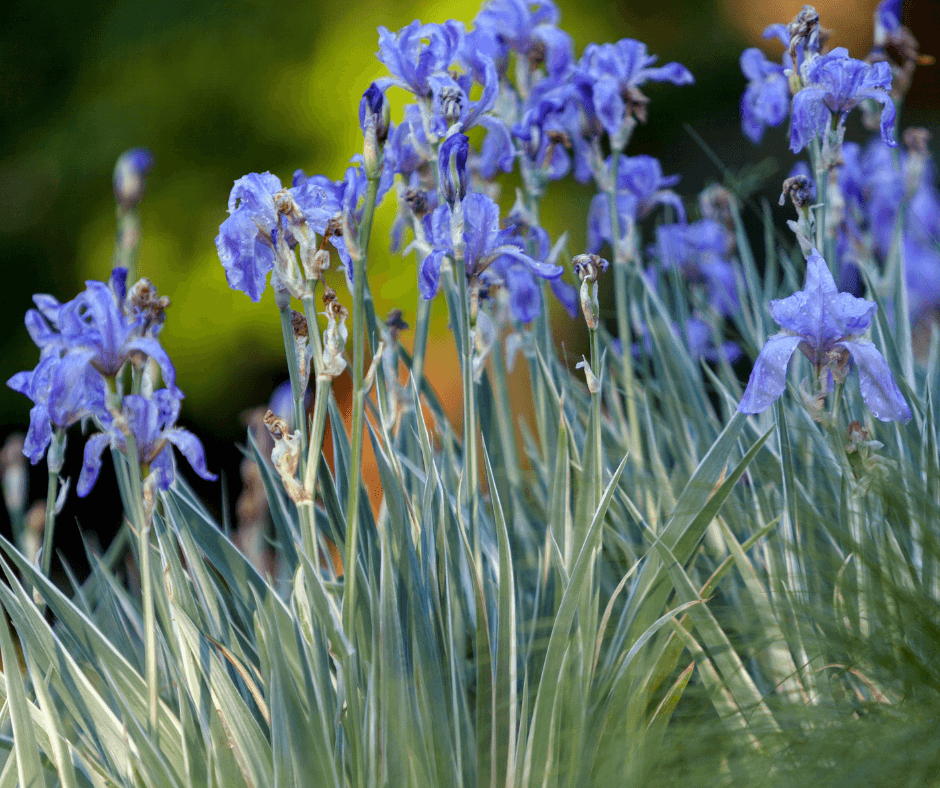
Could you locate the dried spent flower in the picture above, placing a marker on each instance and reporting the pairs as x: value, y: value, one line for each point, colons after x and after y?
x: 145, y: 308
x: 806, y: 32
x: 286, y: 456
x: 588, y: 267
x: 334, y: 336
x: 13, y: 473
x: 799, y: 189
x: 593, y: 384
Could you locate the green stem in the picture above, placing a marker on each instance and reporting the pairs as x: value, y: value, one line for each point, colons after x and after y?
x: 127, y: 242
x: 470, y: 430
x: 297, y: 386
x: 54, y: 460
x: 358, y: 373
x: 422, y: 327
x: 624, y: 332
x: 822, y: 187
x: 317, y: 426
x: 543, y: 326
x: 837, y: 404
x: 144, y: 522
x: 596, y: 418
x: 504, y: 417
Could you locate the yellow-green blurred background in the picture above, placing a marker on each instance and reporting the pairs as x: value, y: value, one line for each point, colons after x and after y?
x: 220, y: 88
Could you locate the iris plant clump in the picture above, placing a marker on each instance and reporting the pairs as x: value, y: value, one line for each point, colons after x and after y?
x: 660, y: 554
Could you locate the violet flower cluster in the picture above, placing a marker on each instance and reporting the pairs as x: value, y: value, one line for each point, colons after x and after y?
x: 84, y: 345
x: 514, y: 76
x: 816, y: 90
x: 889, y: 205
x: 882, y: 205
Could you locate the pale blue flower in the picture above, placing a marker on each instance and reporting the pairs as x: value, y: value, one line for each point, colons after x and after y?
x: 484, y: 244
x: 152, y: 421
x: 835, y: 85
x: 827, y: 327
x: 766, y: 100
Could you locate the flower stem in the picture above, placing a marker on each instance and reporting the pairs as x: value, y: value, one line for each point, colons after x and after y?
x: 621, y: 257
x: 458, y: 303
x: 127, y: 241
x: 596, y: 418
x: 358, y: 373
x: 144, y: 521
x: 54, y: 460
x: 317, y: 431
x: 470, y: 430
x: 422, y: 326
x: 297, y: 386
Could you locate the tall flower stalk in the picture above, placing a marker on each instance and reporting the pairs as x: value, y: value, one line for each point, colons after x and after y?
x: 360, y: 341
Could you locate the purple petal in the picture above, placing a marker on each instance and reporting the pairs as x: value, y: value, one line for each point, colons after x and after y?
x: 39, y: 434
x: 497, y: 150
x: 887, y: 114
x: 430, y: 274
x: 246, y: 260
x: 567, y: 294
x: 769, y: 377
x: 164, y: 467
x: 525, y: 300
x: 753, y: 63
x: 809, y: 117
x: 875, y: 381
x: 191, y: 448
x: 609, y: 105
x: 481, y: 227
x: 21, y: 382
x: 91, y: 464
x: 544, y: 270
x: 118, y: 284
x: 253, y: 193
x: 671, y: 72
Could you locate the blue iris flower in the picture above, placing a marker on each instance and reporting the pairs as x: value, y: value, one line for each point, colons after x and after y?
x: 641, y: 185
x: 484, y: 243
x: 416, y: 52
x: 244, y: 242
x: 834, y: 85
x: 152, y: 421
x: 81, y: 343
x: 609, y: 77
x: 527, y: 28
x: 94, y: 327
x: 766, y: 100
x: 827, y: 327
x: 700, y: 252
